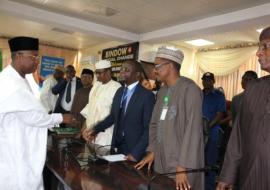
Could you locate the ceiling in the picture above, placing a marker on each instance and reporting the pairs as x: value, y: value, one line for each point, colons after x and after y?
x: 140, y: 16
x: 83, y: 23
x: 50, y: 35
x: 224, y: 39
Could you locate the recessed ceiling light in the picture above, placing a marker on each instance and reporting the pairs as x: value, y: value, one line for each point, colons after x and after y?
x: 259, y: 30
x: 199, y: 42
x: 100, y: 10
x: 171, y: 48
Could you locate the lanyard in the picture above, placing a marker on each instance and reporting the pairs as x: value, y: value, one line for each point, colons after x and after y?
x: 165, y: 101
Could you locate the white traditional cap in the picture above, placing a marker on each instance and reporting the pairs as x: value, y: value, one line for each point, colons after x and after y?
x: 170, y: 54
x: 103, y: 64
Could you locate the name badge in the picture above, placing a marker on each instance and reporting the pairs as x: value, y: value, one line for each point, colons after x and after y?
x: 163, y: 113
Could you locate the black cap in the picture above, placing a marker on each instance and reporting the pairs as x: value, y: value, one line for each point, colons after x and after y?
x: 88, y: 72
x: 22, y: 43
x: 208, y: 75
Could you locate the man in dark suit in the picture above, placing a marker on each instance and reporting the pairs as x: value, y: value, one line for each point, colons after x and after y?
x: 130, y: 113
x: 66, y: 89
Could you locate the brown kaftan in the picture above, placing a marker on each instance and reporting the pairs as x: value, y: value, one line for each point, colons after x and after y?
x: 247, y: 160
x: 178, y: 139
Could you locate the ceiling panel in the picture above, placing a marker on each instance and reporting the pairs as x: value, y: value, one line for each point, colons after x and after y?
x: 156, y: 14
x: 15, y: 26
x: 138, y: 16
x: 223, y: 39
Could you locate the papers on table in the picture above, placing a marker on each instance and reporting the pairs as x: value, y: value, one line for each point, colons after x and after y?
x: 114, y: 158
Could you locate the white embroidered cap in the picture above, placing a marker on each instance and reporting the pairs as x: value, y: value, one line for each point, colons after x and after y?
x: 170, y: 54
x: 103, y: 64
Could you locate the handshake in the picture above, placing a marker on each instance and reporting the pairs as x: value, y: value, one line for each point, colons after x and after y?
x: 89, y: 134
x: 69, y: 119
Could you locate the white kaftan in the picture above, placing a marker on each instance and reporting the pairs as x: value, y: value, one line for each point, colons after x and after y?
x: 98, y: 107
x: 23, y: 133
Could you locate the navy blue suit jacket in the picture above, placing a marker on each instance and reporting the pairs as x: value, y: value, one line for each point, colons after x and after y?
x: 59, y: 88
x: 136, y: 120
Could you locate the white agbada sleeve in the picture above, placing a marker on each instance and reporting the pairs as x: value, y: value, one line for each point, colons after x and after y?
x: 99, y: 107
x: 39, y: 119
x: 48, y: 99
x: 88, y: 111
x: 23, y: 133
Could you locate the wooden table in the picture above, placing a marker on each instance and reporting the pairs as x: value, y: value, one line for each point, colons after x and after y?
x: 62, y: 162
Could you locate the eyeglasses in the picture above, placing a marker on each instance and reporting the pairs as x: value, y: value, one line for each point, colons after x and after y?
x: 158, y: 66
x: 32, y: 57
x: 264, y: 46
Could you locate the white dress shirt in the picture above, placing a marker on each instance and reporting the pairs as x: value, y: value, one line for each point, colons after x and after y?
x: 64, y: 104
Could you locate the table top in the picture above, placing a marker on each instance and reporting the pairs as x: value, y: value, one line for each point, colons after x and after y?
x: 67, y: 160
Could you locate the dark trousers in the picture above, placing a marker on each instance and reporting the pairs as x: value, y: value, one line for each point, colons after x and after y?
x: 120, y: 147
x: 211, y: 157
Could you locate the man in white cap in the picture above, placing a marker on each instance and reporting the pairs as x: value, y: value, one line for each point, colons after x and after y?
x: 176, y: 136
x: 100, y: 101
x: 47, y: 98
x: 23, y: 120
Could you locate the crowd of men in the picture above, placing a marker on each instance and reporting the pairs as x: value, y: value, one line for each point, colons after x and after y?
x: 166, y: 129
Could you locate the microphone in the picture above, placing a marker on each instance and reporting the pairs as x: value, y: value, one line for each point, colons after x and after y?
x: 95, y: 159
x: 198, y: 170
x: 77, y: 141
x: 142, y: 187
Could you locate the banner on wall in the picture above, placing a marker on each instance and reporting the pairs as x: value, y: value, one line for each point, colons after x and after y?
x: 1, y: 61
x: 48, y: 64
x: 120, y: 54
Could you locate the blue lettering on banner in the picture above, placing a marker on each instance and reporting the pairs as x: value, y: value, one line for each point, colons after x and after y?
x: 48, y: 64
